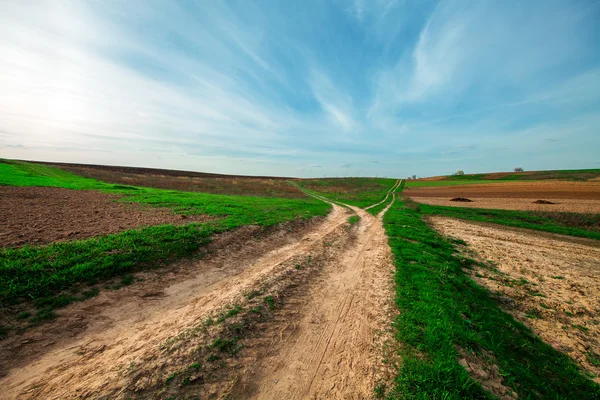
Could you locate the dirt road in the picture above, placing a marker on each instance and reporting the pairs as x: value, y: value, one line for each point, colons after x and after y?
x: 332, y: 352
x: 323, y: 342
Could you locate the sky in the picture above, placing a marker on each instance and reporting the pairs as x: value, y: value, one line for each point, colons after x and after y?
x: 303, y: 88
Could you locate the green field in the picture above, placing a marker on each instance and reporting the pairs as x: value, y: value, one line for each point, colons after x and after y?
x: 441, y: 310
x: 56, y: 274
x: 359, y: 192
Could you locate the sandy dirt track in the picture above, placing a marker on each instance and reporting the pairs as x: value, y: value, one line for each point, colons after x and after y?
x: 549, y: 282
x: 332, y: 351
x: 40, y: 215
x: 524, y: 204
x: 115, y: 347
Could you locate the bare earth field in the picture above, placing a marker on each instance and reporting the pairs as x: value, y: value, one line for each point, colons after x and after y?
x: 332, y: 283
x: 41, y: 215
x: 582, y: 197
x: 549, y: 282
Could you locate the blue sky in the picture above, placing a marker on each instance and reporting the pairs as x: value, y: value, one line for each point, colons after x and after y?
x: 303, y: 88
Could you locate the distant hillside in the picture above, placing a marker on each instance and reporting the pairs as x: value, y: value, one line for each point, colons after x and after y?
x: 564, y: 175
x: 148, y: 171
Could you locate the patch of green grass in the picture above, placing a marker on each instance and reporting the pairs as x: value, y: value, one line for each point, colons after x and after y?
x: 171, y: 377
x: 229, y: 346
x: 45, y: 314
x: 270, y: 301
x: 360, y: 192
x: 127, y: 280
x: 353, y: 219
x: 593, y: 358
x: 20, y: 173
x: 441, y: 309
x: 232, y: 312
x: 580, y: 328
x: 195, y: 367
x: 24, y: 315
x: 533, y: 314
x: 4, y: 330
x: 253, y: 294
x: 520, y: 219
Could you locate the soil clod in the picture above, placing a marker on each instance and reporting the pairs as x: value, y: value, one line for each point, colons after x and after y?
x: 461, y: 199
x: 543, y: 202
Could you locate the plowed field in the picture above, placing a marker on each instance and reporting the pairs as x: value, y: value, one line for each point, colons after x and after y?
x: 40, y: 215
x: 582, y: 197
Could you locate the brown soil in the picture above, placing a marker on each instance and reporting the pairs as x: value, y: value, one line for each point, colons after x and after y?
x: 524, y: 204
x: 543, y: 202
x: 126, y: 343
x: 550, y: 283
x: 188, y: 181
x: 40, y: 215
x: 484, y: 368
x: 514, y: 190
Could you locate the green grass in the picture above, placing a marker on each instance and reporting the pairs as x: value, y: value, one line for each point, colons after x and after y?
x: 32, y: 273
x: 353, y: 219
x: 20, y: 173
x: 572, y: 224
x: 359, y: 192
x: 441, y: 310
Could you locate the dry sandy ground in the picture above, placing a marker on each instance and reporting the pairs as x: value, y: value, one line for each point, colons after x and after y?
x: 525, y: 204
x: 319, y: 344
x: 333, y: 350
x: 549, y: 282
x: 40, y: 215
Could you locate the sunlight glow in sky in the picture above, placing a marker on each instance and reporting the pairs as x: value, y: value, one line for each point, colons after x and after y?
x: 303, y: 88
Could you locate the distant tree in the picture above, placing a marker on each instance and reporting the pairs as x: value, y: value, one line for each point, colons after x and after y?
x: 518, y: 169
x: 414, y: 177
x: 459, y: 173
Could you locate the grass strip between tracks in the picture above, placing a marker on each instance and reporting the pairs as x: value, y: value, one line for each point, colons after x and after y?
x: 564, y: 223
x: 379, y: 208
x: 442, y: 310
